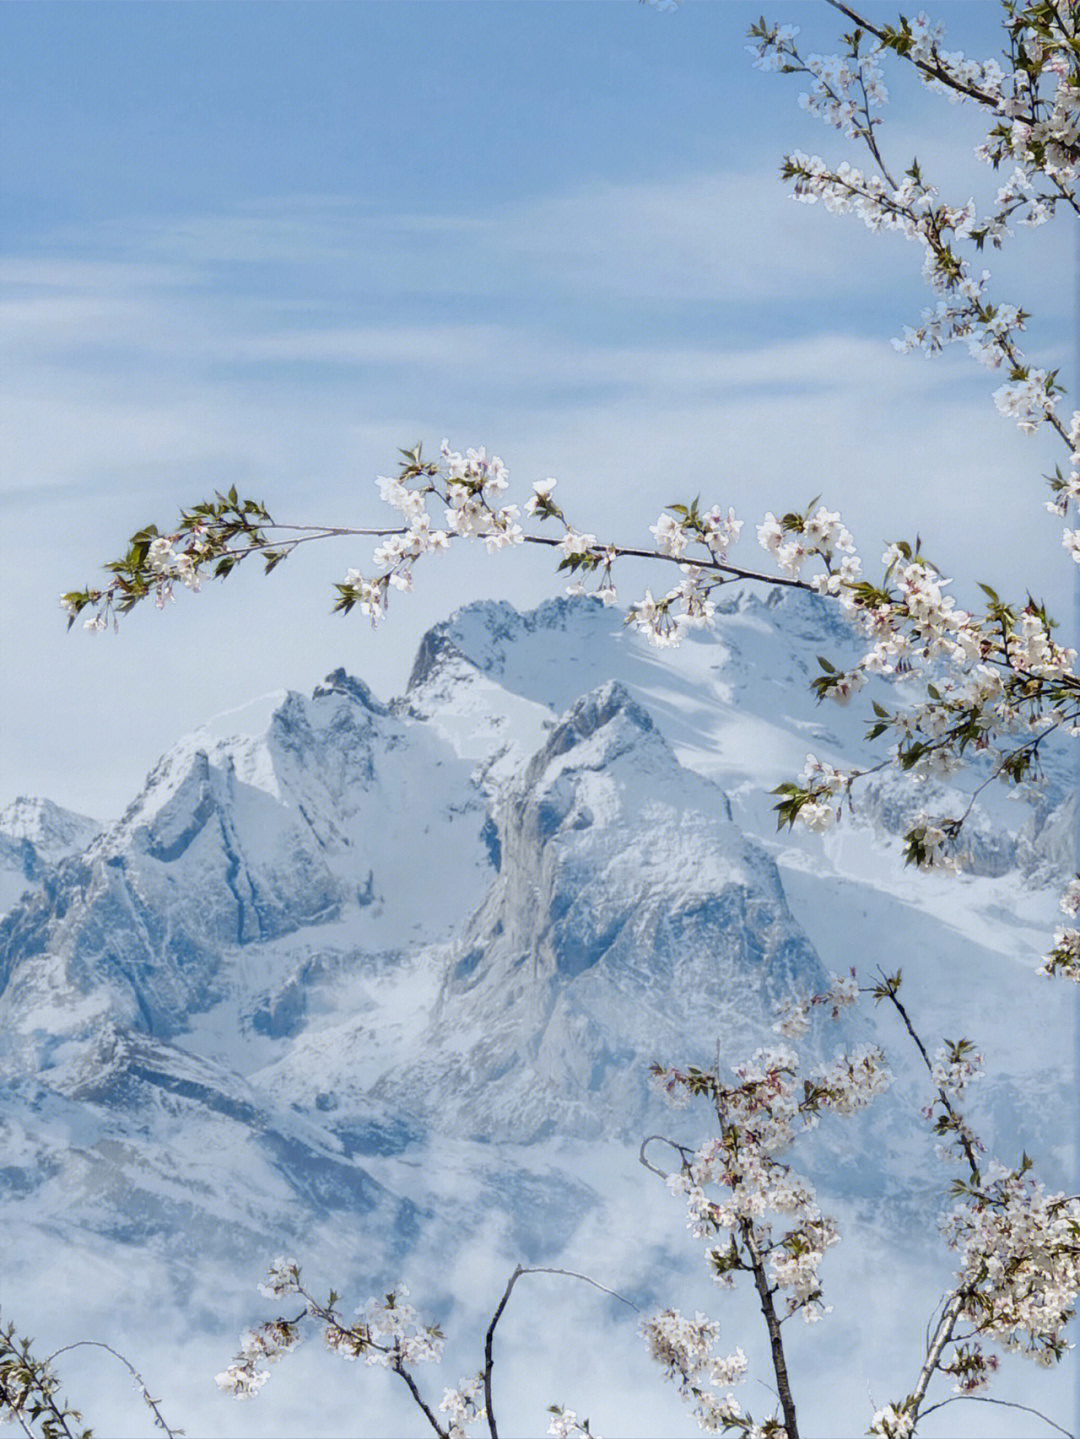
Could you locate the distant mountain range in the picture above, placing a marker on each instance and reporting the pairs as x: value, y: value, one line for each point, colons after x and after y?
x: 333, y: 938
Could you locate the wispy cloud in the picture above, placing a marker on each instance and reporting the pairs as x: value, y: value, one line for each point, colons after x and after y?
x: 706, y: 236
x: 642, y: 342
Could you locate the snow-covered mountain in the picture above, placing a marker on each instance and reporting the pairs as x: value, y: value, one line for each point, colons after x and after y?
x: 34, y: 835
x: 406, y: 963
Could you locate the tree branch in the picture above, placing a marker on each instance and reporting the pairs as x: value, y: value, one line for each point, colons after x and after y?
x: 942, y: 1335
x: 935, y: 72
x: 152, y: 1404
x: 1005, y: 1404
x: 489, y: 1338
x: 772, y: 1323
x: 399, y: 1368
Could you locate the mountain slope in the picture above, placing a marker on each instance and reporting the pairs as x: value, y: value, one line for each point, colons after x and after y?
x: 379, y: 983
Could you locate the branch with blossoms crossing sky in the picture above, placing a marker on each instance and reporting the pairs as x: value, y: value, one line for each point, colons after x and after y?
x: 990, y: 686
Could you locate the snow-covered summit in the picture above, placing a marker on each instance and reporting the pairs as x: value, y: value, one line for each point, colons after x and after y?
x: 54, y: 832
x: 36, y: 834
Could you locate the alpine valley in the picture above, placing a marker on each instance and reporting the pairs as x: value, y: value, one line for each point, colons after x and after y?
x: 377, y: 985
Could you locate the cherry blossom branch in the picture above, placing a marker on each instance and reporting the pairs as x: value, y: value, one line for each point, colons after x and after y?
x: 489, y: 1355
x: 758, y: 1116
x: 932, y: 70
x: 152, y: 1404
x: 388, y: 1333
x: 944, y: 1332
x: 772, y: 1324
x: 888, y: 990
x: 914, y: 629
x: 1020, y: 1248
x: 399, y: 1368
x: 28, y: 1386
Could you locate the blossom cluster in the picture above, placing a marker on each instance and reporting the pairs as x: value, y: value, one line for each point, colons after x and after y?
x: 794, y: 1016
x: 760, y: 1116
x: 464, y: 1406
x: 843, y: 88
x: 666, y: 620
x: 1019, y: 1251
x: 387, y: 1332
x: 472, y: 484
x: 684, y: 1349
x: 893, y: 1422
x: 565, y: 1424
x: 794, y: 539
x: 688, y: 605
x: 714, y: 529
x: 1065, y: 955
x: 970, y: 1367
x: 163, y: 564
x: 268, y: 1343
x: 1040, y: 134
x: 1066, y: 491
x: 988, y: 330
x: 994, y: 684
x: 283, y: 1278
x: 957, y: 1064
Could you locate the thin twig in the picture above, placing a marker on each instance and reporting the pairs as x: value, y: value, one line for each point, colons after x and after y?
x: 1005, y: 1403
x: 586, y: 1279
x: 152, y: 1404
x: 489, y: 1338
x: 683, y: 1153
x: 961, y: 1131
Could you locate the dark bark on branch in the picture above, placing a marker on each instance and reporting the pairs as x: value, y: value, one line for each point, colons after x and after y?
x: 772, y: 1323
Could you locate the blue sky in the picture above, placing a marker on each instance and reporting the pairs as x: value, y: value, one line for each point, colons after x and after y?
x: 268, y: 244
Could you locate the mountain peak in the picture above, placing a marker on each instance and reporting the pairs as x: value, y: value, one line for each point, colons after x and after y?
x: 340, y: 682
x: 592, y: 712
x: 52, y: 830
x: 434, y: 650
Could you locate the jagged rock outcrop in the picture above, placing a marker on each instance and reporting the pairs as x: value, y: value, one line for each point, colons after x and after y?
x: 631, y: 920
